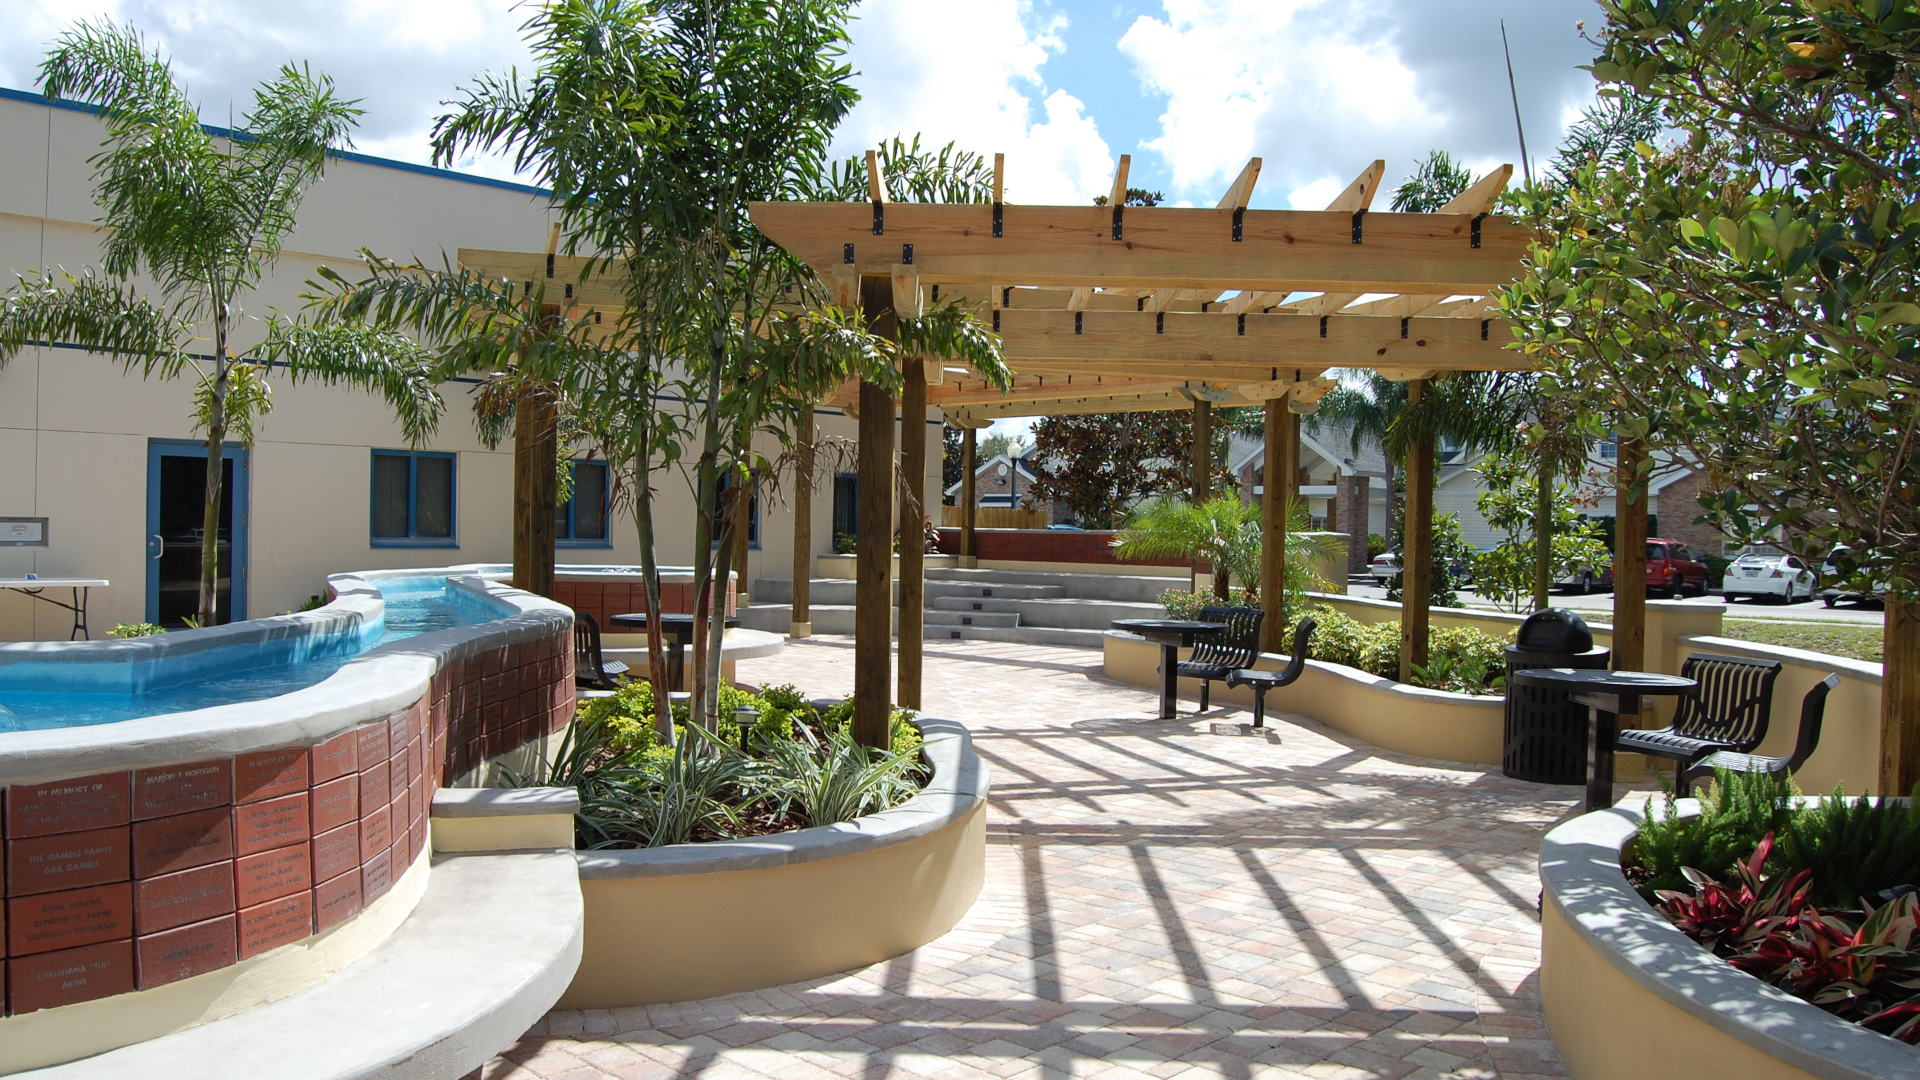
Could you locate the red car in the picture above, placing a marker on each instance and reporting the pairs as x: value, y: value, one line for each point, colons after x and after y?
x: 1672, y: 570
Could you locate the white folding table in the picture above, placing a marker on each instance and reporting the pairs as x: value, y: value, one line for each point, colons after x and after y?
x: 35, y: 587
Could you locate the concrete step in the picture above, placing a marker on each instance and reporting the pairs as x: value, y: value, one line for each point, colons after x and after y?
x: 778, y: 618
x: 973, y: 618
x: 823, y: 591
x: 1021, y: 635
x: 1084, y: 614
x: 1093, y: 586
x: 999, y: 590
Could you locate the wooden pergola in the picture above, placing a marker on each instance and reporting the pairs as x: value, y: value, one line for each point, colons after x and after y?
x: 1127, y: 308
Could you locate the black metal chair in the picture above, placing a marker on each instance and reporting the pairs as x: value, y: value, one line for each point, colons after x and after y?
x: 1728, y: 710
x: 1263, y: 681
x: 591, y: 671
x: 1221, y: 652
x: 1813, y: 709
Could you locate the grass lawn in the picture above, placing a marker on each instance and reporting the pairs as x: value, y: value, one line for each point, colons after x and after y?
x: 1836, y: 639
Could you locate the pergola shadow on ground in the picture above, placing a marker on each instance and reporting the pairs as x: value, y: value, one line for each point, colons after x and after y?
x: 1161, y: 901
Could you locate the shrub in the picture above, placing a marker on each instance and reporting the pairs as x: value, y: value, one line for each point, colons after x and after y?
x: 1376, y: 546
x: 1460, y: 659
x: 841, y: 780
x: 135, y: 629
x: 628, y: 717
x: 1187, y: 605
x: 1737, y: 810
x: 1855, y: 848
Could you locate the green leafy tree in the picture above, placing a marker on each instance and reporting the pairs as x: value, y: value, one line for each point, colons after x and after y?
x: 1103, y: 465
x: 1434, y: 183
x: 1746, y: 295
x: 1450, y: 552
x: 1507, y: 499
x: 189, y: 225
x: 1227, y: 534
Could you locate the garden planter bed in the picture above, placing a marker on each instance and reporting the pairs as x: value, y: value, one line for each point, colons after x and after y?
x: 1391, y: 715
x: 691, y: 921
x: 1624, y: 989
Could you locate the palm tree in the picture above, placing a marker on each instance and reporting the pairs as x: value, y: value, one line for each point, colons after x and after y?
x: 1366, y: 403
x: 1227, y: 534
x: 202, y: 219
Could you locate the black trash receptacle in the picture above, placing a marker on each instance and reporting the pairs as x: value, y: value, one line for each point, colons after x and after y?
x: 1546, y: 735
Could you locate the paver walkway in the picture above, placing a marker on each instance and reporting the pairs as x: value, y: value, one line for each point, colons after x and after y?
x: 1162, y: 901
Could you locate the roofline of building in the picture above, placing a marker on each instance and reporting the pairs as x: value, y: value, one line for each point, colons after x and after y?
x: 28, y: 97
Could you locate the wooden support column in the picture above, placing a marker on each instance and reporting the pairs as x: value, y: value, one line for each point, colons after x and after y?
x: 1416, y: 579
x: 800, y: 620
x: 969, y: 497
x: 1202, y: 451
x: 1629, y: 559
x: 536, y: 487
x: 1900, y: 698
x: 913, y: 545
x: 873, y: 561
x: 1273, y: 526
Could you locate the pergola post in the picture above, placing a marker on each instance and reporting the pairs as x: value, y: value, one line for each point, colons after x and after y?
x: 969, y: 496
x: 1202, y: 450
x: 1278, y: 462
x: 913, y: 546
x: 1629, y: 559
x: 873, y: 560
x: 800, y: 619
x: 536, y: 488
x: 1416, y: 555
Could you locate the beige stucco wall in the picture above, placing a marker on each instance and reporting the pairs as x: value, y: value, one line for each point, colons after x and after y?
x: 688, y: 936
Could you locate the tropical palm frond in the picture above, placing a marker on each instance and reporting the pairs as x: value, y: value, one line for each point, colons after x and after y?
x: 247, y: 398
x: 102, y: 316
x: 389, y: 364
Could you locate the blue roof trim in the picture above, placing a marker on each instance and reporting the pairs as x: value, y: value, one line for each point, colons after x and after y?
x: 28, y: 97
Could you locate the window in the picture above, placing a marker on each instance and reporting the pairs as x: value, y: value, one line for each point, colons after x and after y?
x: 753, y: 508
x: 1610, y: 449
x: 413, y: 499
x: 582, y: 520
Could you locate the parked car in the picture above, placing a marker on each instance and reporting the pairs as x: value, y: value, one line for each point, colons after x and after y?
x: 1587, y: 579
x: 1769, y: 573
x: 1385, y: 566
x: 1672, y: 570
x: 1837, y: 572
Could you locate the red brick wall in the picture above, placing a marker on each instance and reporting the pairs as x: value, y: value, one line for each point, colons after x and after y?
x: 603, y: 600
x: 1046, y: 545
x: 134, y: 879
x: 1677, y: 505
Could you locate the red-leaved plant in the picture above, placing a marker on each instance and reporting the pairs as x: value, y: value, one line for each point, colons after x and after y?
x: 1860, y: 965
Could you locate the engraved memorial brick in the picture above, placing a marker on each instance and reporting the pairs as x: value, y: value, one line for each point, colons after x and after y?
x: 335, y: 901
x: 65, y: 920
x: 376, y: 830
x: 186, y: 951
x: 69, y: 976
x: 41, y: 864
x: 275, y: 923
x: 376, y: 877
x: 263, y: 826
x: 336, y: 803
x: 269, y: 774
x: 180, y: 789
x: 271, y: 875
x: 170, y: 900
x: 373, y: 787
x: 372, y: 740
x: 57, y: 806
x: 335, y: 758
x: 164, y: 845
x: 397, y: 776
x: 336, y: 852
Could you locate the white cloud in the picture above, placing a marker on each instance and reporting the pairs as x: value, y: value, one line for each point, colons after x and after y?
x: 1320, y: 88
x: 972, y: 75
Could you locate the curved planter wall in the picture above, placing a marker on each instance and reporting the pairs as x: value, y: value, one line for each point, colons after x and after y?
x: 698, y: 920
x: 1391, y: 715
x: 168, y: 870
x: 1628, y: 996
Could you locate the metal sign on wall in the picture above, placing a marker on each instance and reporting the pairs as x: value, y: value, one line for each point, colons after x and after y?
x: 23, y: 532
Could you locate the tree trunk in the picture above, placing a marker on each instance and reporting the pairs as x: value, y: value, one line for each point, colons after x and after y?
x: 1273, y: 528
x: 1416, y: 554
x: 969, y: 496
x: 873, y: 552
x: 536, y: 457
x: 1543, y: 536
x: 913, y: 542
x: 716, y: 626
x: 1629, y: 559
x: 209, y: 613
x: 800, y: 615
x: 1900, y: 698
x: 1202, y: 451
x: 1392, y: 499
x: 650, y: 573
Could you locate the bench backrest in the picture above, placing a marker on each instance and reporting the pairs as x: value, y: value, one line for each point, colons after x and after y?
x: 1732, y: 703
x: 1235, y: 645
x: 1813, y: 709
x: 586, y: 651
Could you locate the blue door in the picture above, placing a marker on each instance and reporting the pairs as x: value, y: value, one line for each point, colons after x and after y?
x: 176, y: 511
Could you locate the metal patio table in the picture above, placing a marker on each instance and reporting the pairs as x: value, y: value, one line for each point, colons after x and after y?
x: 680, y: 629
x: 1171, y: 635
x: 1607, y: 695
x: 82, y: 588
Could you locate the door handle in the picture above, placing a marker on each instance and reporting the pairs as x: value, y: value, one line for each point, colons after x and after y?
x: 157, y: 545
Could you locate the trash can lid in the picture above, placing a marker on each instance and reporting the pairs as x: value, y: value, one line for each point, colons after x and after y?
x: 1554, y: 630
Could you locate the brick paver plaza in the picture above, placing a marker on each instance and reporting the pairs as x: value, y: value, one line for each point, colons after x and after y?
x: 1162, y: 901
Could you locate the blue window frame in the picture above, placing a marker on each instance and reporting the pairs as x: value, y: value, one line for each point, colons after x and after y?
x: 414, y: 500
x: 581, y: 521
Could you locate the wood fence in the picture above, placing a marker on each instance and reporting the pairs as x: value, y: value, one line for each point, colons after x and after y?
x: 996, y: 517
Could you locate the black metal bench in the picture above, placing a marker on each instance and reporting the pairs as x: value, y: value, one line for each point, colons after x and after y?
x: 1729, y: 710
x: 592, y: 671
x: 1222, y: 652
x: 1263, y: 681
x: 1813, y: 709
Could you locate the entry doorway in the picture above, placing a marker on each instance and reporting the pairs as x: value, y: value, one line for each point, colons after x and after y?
x: 176, y: 508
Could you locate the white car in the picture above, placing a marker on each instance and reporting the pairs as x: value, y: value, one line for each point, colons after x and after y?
x: 1385, y: 566
x: 1770, y: 574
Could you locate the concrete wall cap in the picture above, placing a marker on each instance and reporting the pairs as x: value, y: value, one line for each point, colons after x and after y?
x: 1864, y: 670
x: 1580, y: 869
x: 959, y: 784
x: 504, y: 802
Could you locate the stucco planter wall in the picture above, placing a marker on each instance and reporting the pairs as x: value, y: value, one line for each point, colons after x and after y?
x: 697, y: 920
x: 1627, y: 996
x: 1391, y: 715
